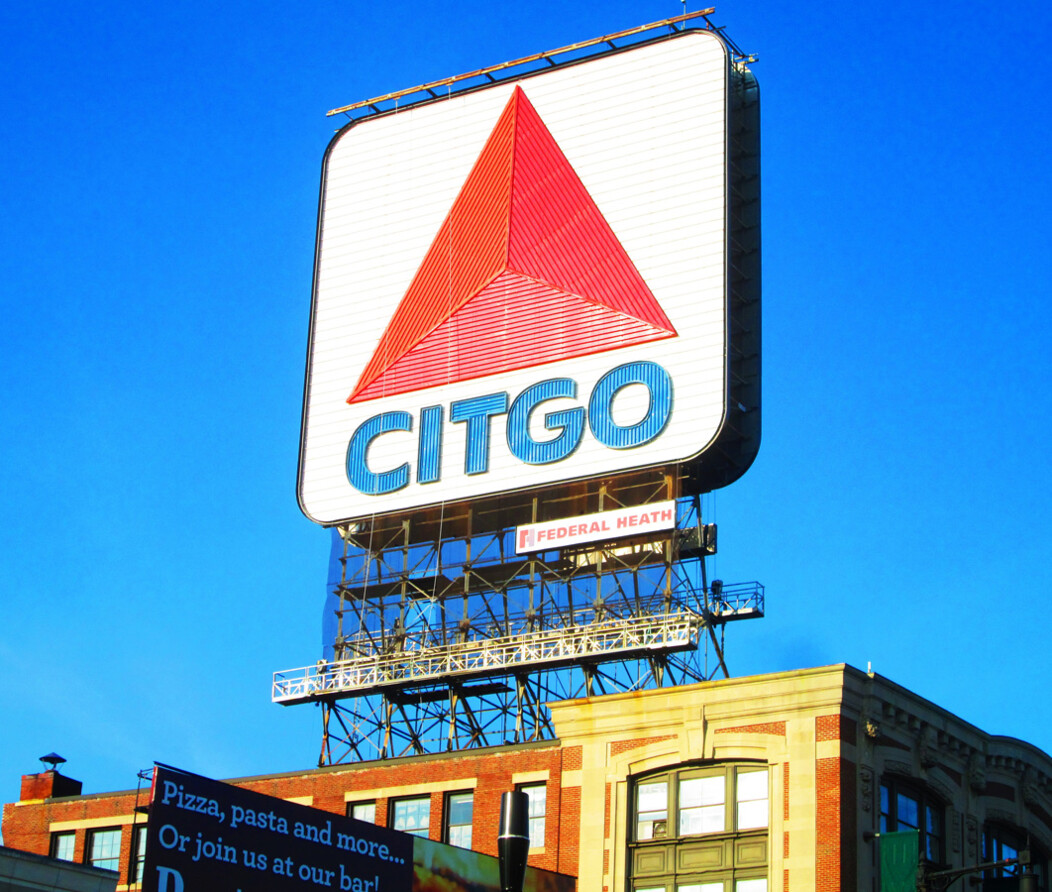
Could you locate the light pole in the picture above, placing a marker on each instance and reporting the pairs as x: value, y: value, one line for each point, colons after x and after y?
x: 513, y: 840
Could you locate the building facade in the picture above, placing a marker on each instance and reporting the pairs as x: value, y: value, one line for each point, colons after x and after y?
x: 26, y: 872
x: 756, y: 784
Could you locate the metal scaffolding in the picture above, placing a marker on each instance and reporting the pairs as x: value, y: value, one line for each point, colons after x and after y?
x: 446, y: 639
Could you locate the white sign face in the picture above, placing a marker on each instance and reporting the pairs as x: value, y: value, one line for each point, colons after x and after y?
x: 599, y: 527
x: 521, y: 286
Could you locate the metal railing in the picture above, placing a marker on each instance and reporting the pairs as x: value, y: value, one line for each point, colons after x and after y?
x: 488, y: 657
x: 742, y: 600
x: 519, y: 67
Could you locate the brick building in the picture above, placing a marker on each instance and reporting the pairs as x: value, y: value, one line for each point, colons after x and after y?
x: 771, y: 782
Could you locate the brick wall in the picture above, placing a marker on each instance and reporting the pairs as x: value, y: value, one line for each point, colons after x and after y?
x: 620, y: 746
x: 836, y: 831
x: 27, y: 824
x: 835, y: 727
x: 827, y: 829
x: 777, y: 728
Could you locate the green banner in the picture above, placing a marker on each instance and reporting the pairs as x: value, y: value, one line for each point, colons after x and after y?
x: 899, y: 853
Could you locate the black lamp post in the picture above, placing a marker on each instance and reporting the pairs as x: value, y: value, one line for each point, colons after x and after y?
x: 513, y: 840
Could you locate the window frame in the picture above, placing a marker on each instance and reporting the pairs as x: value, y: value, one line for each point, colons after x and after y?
x: 657, y: 820
x: 726, y: 883
x: 423, y: 832
x: 361, y: 803
x: 137, y: 867
x: 674, y: 780
x: 59, y: 837
x: 932, y: 842
x: 538, y: 824
x: 449, y: 828
x: 102, y: 863
x: 996, y: 836
x: 725, y: 880
x: 680, y: 860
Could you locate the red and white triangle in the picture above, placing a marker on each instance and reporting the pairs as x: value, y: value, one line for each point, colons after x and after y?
x: 524, y: 271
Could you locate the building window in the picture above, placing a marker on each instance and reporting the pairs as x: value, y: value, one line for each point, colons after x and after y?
x: 698, y: 798
x: 62, y: 845
x: 1000, y: 845
x: 652, y: 810
x: 459, y: 808
x: 138, y: 852
x: 412, y: 815
x: 906, y: 806
x: 538, y: 808
x: 701, y: 828
x: 702, y: 804
x: 751, y: 800
x: 756, y: 884
x: 1004, y: 844
x: 362, y: 811
x: 104, y: 848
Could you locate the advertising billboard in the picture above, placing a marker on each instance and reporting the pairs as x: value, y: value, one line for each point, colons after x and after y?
x: 523, y: 285
x: 598, y: 527
x: 205, y: 834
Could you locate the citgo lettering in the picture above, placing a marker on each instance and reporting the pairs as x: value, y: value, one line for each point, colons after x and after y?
x: 475, y: 413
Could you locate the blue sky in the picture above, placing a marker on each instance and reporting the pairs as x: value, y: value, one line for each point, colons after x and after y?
x: 156, y: 245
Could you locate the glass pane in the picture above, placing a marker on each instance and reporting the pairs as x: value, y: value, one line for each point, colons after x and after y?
x: 908, y: 812
x: 140, y: 853
x: 538, y: 803
x: 759, y: 885
x: 701, y: 801
x: 460, y: 808
x: 701, y: 791
x: 413, y: 816
x: 652, y: 797
x: 752, y: 799
x: 1009, y: 851
x: 701, y: 887
x: 538, y: 797
x: 706, y: 819
x: 105, y: 849
x: 752, y: 785
x: 752, y: 815
x: 652, y: 810
x: 933, y: 836
x: 364, y: 811
x: 460, y: 836
x: 537, y: 833
x: 932, y: 821
x: 652, y: 826
x: 62, y: 846
x: 458, y: 829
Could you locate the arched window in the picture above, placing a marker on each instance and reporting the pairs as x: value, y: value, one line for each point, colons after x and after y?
x: 1004, y: 843
x: 907, y: 805
x: 701, y: 828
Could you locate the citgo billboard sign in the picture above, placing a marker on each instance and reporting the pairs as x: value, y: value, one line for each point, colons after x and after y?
x: 522, y: 285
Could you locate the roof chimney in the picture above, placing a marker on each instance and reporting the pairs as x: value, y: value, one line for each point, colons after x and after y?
x: 49, y: 784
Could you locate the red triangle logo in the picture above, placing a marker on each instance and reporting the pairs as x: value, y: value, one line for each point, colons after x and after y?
x: 524, y: 271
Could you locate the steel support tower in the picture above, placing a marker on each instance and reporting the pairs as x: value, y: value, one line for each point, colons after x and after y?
x: 446, y: 639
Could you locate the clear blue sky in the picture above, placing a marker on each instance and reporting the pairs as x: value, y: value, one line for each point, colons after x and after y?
x: 160, y: 177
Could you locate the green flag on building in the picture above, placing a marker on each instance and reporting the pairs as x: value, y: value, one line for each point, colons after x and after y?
x: 899, y: 853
